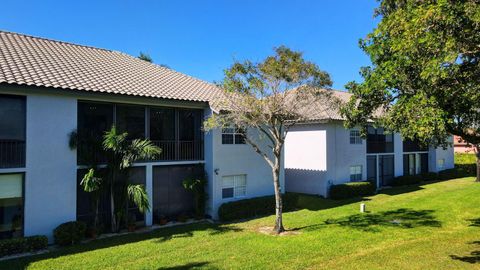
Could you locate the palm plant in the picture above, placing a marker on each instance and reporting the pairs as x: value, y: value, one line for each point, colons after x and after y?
x: 121, y: 154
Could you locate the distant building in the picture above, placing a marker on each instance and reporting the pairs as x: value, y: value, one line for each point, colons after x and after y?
x: 461, y: 146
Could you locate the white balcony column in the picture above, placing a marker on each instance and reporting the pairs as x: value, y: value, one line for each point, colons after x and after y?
x: 149, y: 189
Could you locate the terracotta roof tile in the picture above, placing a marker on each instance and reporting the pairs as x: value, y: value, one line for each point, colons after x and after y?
x: 27, y: 60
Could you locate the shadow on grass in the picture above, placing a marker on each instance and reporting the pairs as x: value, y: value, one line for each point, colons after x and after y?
x: 373, y: 222
x: 475, y: 222
x: 473, y: 257
x: 159, y: 236
x: 188, y: 266
x: 401, y: 190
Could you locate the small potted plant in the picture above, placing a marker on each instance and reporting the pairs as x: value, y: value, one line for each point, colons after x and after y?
x: 162, y: 220
x: 91, y: 232
x: 132, y: 223
x: 182, y: 218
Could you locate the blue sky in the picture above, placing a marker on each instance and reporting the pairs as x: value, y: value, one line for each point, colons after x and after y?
x: 201, y: 38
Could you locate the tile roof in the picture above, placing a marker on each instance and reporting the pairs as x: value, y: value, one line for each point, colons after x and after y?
x: 27, y: 60
x: 326, y: 108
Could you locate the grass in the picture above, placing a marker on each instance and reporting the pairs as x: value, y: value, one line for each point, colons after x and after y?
x: 430, y: 226
x: 463, y: 158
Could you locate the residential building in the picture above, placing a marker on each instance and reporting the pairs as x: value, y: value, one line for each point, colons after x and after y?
x: 461, y: 146
x: 49, y: 89
x: 321, y: 152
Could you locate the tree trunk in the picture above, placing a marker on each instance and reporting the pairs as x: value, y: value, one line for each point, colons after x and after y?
x: 278, y: 195
x: 477, y: 153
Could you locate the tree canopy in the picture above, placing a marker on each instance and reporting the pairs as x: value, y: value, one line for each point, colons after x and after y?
x: 425, y: 71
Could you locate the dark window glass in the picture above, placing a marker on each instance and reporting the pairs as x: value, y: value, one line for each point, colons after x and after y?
x: 378, y: 141
x: 414, y: 164
x: 190, y: 125
x: 162, y: 124
x: 413, y: 146
x: 94, y: 119
x: 227, y: 193
x: 131, y: 119
x: 233, y: 136
x: 12, y: 118
x: 372, y: 168
x: 11, y: 205
x: 227, y: 138
x: 12, y: 131
x: 386, y: 169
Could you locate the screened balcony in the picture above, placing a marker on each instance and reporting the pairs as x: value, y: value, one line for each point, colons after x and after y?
x: 176, y: 131
x: 12, y: 131
x: 378, y: 141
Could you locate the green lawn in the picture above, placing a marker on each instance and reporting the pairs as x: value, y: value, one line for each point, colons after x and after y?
x: 432, y: 226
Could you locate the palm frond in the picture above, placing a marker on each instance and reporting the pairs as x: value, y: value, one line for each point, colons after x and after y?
x: 90, y: 182
x: 114, y: 141
x: 139, y: 196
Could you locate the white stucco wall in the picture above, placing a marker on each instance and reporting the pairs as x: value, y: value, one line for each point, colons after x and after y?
x: 50, y: 178
x: 306, y: 159
x: 238, y: 159
x: 439, y: 153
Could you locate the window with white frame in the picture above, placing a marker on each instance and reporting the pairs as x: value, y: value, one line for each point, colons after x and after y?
x: 355, y: 137
x: 234, y: 186
x: 232, y: 135
x: 441, y: 164
x: 356, y: 173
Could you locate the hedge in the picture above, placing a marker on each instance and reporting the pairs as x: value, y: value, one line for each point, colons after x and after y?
x: 406, y: 180
x: 22, y: 244
x: 69, y: 233
x: 351, y: 190
x: 255, y: 207
x: 429, y: 176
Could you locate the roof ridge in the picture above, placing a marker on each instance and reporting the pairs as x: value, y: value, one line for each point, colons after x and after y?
x: 55, y: 40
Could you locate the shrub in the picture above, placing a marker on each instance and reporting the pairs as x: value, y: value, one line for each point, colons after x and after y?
x: 429, y: 176
x: 22, y: 244
x: 254, y: 207
x: 69, y: 233
x: 407, y: 180
x: 351, y: 190
x: 466, y: 169
x: 451, y: 174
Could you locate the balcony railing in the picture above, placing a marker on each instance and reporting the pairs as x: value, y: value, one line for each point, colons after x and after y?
x: 379, y: 147
x: 12, y: 153
x: 180, y: 150
x: 171, y: 151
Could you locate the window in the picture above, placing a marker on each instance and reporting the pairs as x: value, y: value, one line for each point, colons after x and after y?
x: 356, y: 173
x: 233, y: 136
x: 441, y: 164
x: 355, y: 137
x: 131, y: 119
x: 414, y: 164
x: 378, y: 141
x: 11, y: 205
x: 12, y: 131
x: 234, y: 186
x: 93, y: 120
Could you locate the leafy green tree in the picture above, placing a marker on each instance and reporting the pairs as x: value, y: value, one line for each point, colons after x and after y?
x: 145, y: 57
x: 424, y: 80
x: 259, y: 99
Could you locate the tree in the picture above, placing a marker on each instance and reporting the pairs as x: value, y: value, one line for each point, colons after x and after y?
x: 145, y: 57
x: 265, y: 99
x: 425, y: 72
x: 121, y: 154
